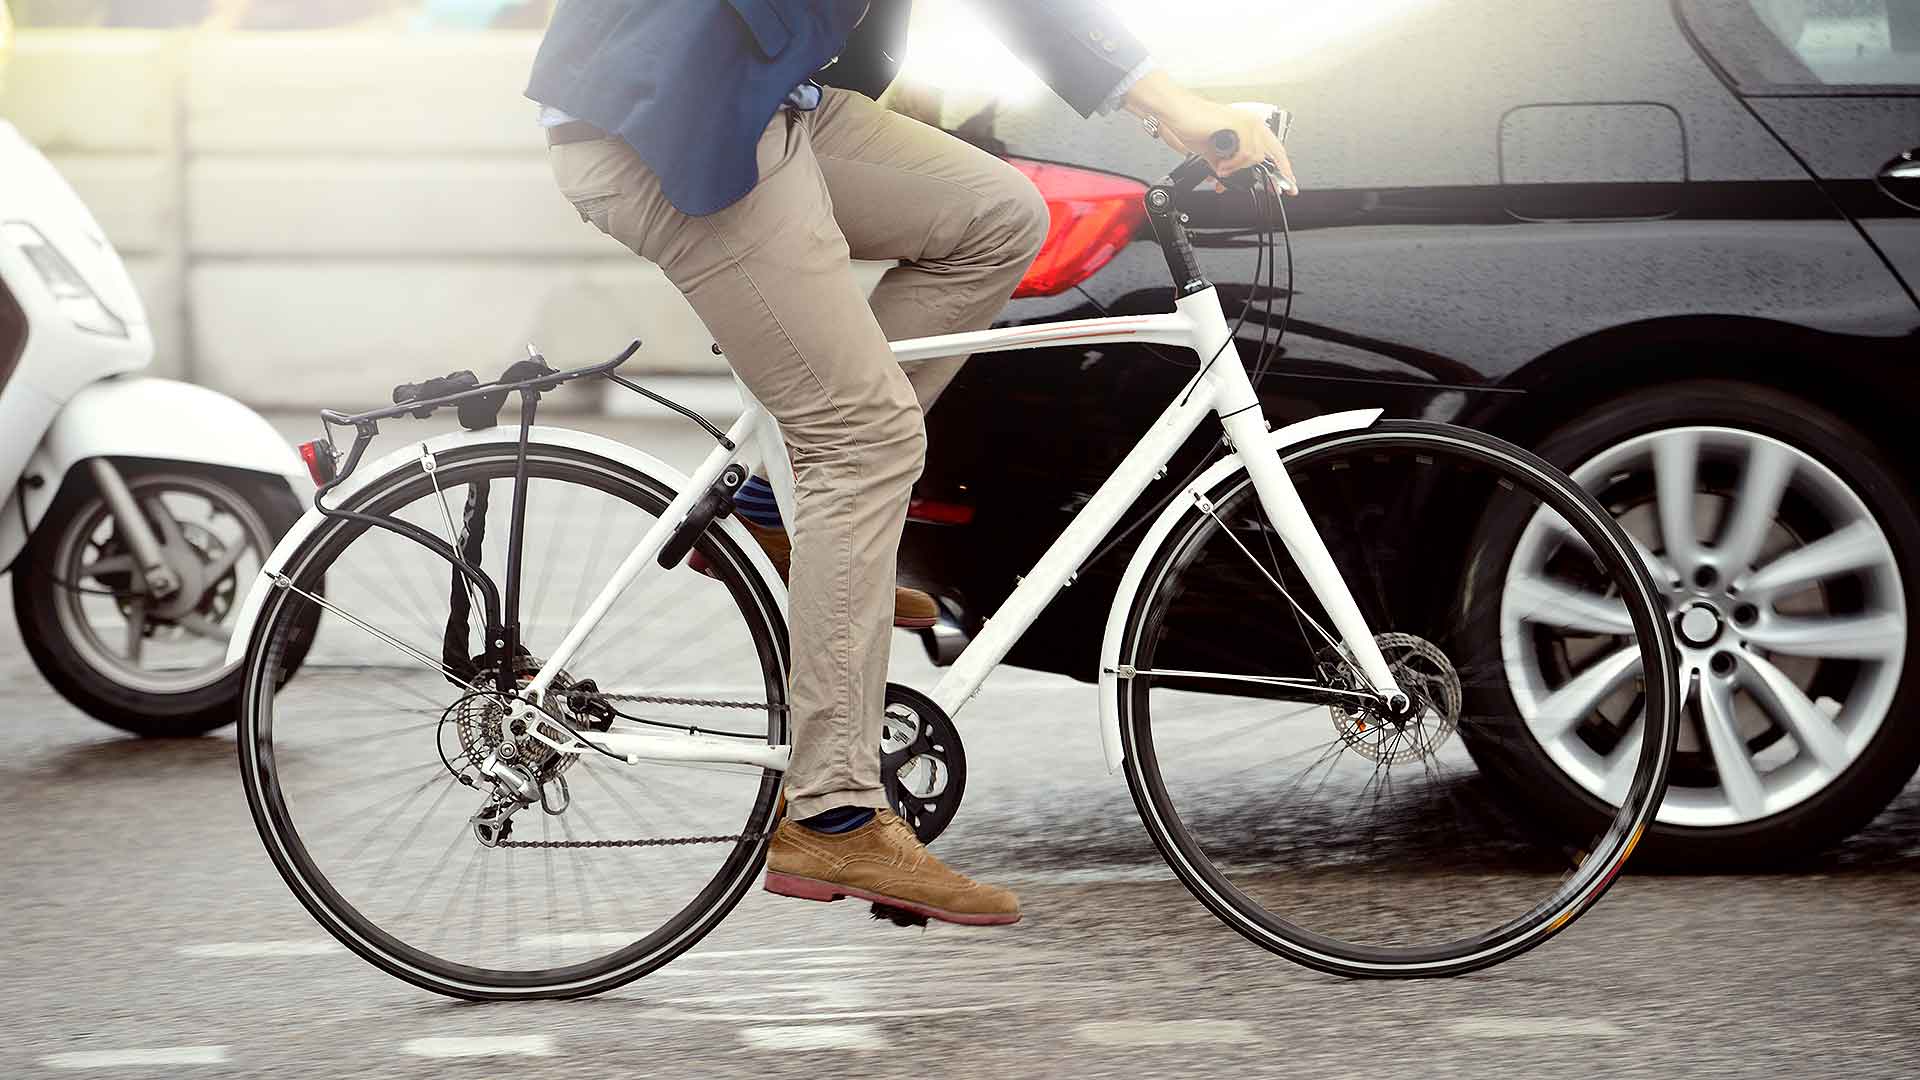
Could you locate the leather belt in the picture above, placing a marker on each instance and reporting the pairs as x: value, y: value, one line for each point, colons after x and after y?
x: 574, y: 131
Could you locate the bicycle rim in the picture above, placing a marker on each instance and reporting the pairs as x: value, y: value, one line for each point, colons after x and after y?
x: 352, y: 769
x: 1332, y: 835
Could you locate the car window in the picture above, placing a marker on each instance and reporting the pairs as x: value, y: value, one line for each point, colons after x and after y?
x: 1811, y: 46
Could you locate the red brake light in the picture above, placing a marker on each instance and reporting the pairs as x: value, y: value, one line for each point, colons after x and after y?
x: 1092, y: 216
x: 938, y: 512
x: 318, y: 455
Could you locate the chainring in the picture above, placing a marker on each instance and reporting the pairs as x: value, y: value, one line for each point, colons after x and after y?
x: 923, y: 766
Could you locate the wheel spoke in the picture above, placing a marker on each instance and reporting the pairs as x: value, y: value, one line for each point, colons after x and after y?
x: 1676, y: 461
x: 136, y: 627
x: 1662, y: 571
x: 1554, y: 603
x: 1756, y: 505
x: 1879, y: 636
x: 1786, y: 703
x: 1731, y: 760
x: 220, y: 568
x: 1566, y: 707
x: 1624, y: 763
x: 1858, y: 546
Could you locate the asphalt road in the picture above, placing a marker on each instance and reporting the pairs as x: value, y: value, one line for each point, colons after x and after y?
x: 146, y: 934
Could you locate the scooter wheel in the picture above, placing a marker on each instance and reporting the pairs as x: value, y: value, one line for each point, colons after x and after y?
x: 152, y: 666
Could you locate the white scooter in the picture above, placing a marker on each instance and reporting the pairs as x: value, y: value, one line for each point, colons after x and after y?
x: 134, y: 511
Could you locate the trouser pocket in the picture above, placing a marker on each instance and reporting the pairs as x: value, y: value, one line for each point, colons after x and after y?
x: 595, y: 210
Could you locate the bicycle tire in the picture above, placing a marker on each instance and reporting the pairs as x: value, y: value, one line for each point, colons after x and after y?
x: 727, y: 562
x: 1594, y: 873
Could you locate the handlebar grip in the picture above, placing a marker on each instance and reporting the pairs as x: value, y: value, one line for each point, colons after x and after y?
x: 1226, y: 142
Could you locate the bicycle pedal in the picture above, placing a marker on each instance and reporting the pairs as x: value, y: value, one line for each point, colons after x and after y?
x: 899, y: 916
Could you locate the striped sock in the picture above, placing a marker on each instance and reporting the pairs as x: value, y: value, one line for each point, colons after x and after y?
x: 754, y: 501
x: 839, y: 819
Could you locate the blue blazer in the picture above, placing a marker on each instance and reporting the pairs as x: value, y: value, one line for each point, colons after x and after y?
x: 691, y: 84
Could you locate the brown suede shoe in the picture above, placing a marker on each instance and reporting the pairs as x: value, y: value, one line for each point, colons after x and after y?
x: 884, y: 862
x: 912, y: 609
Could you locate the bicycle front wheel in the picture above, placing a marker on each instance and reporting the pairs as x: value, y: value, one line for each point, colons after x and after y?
x: 1362, y: 843
x: 365, y: 775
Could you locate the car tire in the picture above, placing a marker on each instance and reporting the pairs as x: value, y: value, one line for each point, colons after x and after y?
x: 1807, y: 801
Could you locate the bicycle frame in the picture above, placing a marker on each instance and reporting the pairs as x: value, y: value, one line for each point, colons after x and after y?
x: 1221, y: 388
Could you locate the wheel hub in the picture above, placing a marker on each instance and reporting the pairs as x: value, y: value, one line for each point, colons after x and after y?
x: 1699, y: 625
x: 479, y: 722
x: 1418, y: 731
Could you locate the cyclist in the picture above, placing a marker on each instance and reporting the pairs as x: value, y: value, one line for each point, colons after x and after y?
x: 706, y: 136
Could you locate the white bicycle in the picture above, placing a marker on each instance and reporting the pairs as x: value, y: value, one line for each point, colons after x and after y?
x: 498, y: 775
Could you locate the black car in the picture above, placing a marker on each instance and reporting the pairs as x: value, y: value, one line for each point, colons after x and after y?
x: 1672, y: 247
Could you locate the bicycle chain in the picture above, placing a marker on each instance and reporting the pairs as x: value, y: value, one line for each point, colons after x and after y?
x: 666, y: 841
x: 712, y: 703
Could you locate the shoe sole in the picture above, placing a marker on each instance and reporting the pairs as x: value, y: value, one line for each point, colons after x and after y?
x: 699, y: 564
x: 804, y: 888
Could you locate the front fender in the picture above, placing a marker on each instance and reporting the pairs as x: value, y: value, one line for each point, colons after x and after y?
x: 408, y: 457
x: 1123, y: 602
x: 165, y: 420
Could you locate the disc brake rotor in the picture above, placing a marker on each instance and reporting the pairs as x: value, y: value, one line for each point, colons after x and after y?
x: 1430, y: 679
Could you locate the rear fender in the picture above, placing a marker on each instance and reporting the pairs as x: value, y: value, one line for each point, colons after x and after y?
x: 1126, y: 596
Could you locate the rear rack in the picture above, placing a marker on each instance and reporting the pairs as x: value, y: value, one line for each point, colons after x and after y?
x: 482, y: 403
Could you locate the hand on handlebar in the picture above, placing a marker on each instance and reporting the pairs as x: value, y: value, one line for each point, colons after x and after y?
x: 1188, y: 123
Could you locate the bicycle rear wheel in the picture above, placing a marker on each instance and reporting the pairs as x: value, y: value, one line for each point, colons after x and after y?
x: 1340, y: 836
x: 363, y: 777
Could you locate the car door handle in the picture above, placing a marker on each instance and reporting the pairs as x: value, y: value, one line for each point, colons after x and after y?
x: 1905, y: 167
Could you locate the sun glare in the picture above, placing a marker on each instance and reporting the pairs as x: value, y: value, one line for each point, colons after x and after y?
x: 1221, y: 42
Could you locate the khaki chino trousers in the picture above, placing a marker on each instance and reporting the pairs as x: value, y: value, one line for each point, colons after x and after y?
x: 771, y: 278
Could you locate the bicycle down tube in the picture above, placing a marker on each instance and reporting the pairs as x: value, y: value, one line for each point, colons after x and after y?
x: 1198, y: 323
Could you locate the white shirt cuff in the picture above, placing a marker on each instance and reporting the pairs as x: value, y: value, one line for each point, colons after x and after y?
x: 1119, y: 95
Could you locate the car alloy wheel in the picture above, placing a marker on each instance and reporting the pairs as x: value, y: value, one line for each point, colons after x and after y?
x: 1788, y: 606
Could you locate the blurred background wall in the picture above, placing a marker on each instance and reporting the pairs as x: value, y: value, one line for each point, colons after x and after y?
x: 309, y: 213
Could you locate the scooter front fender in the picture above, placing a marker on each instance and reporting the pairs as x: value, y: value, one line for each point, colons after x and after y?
x: 164, y: 420
x: 149, y: 419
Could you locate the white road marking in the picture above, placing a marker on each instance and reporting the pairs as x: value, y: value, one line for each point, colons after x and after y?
x: 772, y: 950
x: 1531, y: 1027
x: 619, y: 940
x: 1094, y: 875
x: 120, y: 1059
x: 481, y: 1046
x: 849, y: 964
x: 859, y: 1014
x: 1163, y: 1032
x: 222, y: 950
x: 786, y: 1037
x: 838, y: 994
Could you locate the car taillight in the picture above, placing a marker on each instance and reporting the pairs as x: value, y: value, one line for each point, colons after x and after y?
x: 318, y: 455
x: 1092, y: 215
x: 939, y: 512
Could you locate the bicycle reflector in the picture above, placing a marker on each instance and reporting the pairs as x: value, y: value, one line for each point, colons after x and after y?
x: 1092, y: 215
x: 319, y: 457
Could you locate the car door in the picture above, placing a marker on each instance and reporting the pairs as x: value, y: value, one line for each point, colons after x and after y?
x: 1838, y: 82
